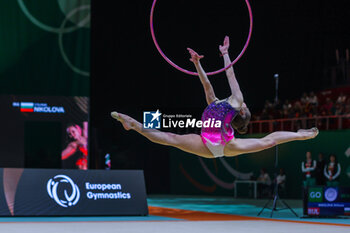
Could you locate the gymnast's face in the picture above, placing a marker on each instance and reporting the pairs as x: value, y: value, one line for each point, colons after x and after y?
x: 243, y: 110
x: 241, y: 121
x: 73, y: 132
x: 245, y: 114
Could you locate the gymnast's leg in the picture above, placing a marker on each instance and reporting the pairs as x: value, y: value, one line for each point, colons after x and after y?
x: 242, y: 146
x: 191, y: 143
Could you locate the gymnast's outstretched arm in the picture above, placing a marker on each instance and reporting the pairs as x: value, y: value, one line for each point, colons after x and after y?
x: 208, y: 88
x: 236, y: 93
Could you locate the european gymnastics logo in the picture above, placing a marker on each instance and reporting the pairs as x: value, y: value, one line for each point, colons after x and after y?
x: 331, y: 194
x: 69, y: 200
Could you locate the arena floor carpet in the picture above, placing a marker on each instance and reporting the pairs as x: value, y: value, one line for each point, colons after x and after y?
x: 185, y: 214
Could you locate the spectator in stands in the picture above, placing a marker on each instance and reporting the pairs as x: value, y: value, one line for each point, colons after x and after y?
x: 264, y: 187
x: 339, y: 109
x: 278, y: 109
x: 327, y: 107
x: 307, y: 106
x: 320, y: 164
x: 287, y: 109
x: 297, y: 109
x: 306, y: 111
x: 305, y: 99
x: 332, y: 171
x: 268, y: 105
x: 313, y: 104
x: 313, y: 99
x: 341, y: 99
x: 347, y: 107
x: 264, y: 115
x: 308, y: 168
x: 281, y: 181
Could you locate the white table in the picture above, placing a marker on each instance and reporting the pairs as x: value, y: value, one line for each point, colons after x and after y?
x: 254, y: 182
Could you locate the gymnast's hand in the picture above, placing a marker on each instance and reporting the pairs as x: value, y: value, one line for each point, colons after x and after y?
x: 194, y: 56
x: 224, y: 48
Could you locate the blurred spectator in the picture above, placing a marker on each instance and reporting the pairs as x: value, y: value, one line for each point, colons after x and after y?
x: 264, y: 187
x: 313, y: 104
x: 341, y: 99
x: 281, y: 181
x: 264, y: 115
x: 268, y: 105
x: 347, y: 107
x: 320, y: 164
x: 339, y: 109
x: 305, y: 99
x: 297, y: 109
x: 332, y: 171
x: 327, y: 107
x: 307, y: 106
x: 313, y: 99
x: 278, y: 109
x: 287, y: 109
x: 308, y: 168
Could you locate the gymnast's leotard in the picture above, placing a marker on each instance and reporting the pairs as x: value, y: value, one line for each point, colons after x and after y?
x: 215, y: 139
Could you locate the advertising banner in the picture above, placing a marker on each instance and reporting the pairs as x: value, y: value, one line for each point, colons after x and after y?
x: 56, y: 192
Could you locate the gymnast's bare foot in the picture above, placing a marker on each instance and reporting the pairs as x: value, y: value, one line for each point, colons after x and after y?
x: 309, y: 133
x: 128, y: 122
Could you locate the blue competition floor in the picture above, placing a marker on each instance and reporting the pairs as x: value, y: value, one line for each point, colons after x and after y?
x: 244, y: 207
x: 222, y: 205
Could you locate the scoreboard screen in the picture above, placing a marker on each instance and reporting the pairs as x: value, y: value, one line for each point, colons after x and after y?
x: 44, y: 131
x: 328, y: 201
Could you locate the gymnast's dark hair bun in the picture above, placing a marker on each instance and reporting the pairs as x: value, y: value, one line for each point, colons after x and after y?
x: 240, y: 122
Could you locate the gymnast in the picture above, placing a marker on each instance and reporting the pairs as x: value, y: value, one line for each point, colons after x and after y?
x: 232, y: 112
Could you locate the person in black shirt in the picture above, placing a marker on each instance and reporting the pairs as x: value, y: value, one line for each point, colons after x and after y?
x: 320, y: 164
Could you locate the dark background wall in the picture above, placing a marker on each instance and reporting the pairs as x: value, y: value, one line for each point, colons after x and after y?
x: 34, y: 66
x: 31, y: 61
x: 296, y: 39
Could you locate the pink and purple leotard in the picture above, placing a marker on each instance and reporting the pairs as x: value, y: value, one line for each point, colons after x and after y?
x: 215, y: 139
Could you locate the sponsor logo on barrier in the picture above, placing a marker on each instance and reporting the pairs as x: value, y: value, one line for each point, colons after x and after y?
x: 315, y: 195
x: 68, y: 199
x: 331, y: 194
x: 114, y: 195
x: 313, y: 211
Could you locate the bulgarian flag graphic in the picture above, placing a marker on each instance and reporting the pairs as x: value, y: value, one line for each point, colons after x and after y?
x: 347, y: 211
x: 27, y: 107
